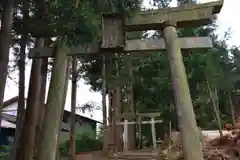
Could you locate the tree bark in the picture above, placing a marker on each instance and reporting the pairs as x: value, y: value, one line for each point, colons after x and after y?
x: 5, y: 42
x: 232, y: 109
x: 111, y: 131
x: 186, y: 118
x: 72, y: 146
x: 48, y: 145
x: 214, y: 98
x: 217, y: 112
x: 43, y: 10
x: 132, y: 109
x: 117, y: 108
x: 104, y: 105
x: 113, y: 120
x: 26, y: 151
x: 21, y: 93
x: 41, y: 108
x: 63, y: 109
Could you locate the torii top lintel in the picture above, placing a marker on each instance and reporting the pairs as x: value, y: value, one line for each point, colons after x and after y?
x: 189, y: 15
x: 114, y: 27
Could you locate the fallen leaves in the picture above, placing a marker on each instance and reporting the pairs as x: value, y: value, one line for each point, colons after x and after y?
x: 221, y: 148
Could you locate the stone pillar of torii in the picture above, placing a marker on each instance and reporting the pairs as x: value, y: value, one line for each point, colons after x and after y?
x: 126, y: 123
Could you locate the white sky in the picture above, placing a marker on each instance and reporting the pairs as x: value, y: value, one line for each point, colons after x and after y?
x: 225, y: 22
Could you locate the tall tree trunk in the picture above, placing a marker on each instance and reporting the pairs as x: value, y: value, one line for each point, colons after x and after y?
x: 43, y: 10
x: 48, y: 145
x: 72, y: 146
x: 111, y: 131
x: 41, y: 108
x: 117, y: 107
x: 113, y: 120
x: 118, y: 133
x: 26, y: 150
x: 217, y: 112
x: 104, y: 105
x: 5, y: 42
x: 63, y: 109
x: 232, y: 109
x: 21, y: 93
x: 214, y: 98
x: 132, y: 109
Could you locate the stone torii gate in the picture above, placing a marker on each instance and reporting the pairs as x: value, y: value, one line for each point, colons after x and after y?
x: 139, y: 122
x: 191, y: 15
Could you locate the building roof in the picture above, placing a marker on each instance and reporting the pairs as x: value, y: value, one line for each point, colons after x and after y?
x: 9, y: 116
x: 10, y: 101
x: 67, y: 113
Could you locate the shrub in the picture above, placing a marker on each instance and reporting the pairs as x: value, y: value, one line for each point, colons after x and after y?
x: 85, y: 142
x: 5, y: 150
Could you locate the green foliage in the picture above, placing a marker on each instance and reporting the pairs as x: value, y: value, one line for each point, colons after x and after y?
x: 129, y: 7
x: 77, y: 24
x: 85, y: 130
x: 4, y: 155
x: 85, y: 142
x: 5, y: 151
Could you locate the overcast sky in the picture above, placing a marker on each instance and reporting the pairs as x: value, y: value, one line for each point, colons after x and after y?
x: 225, y: 22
